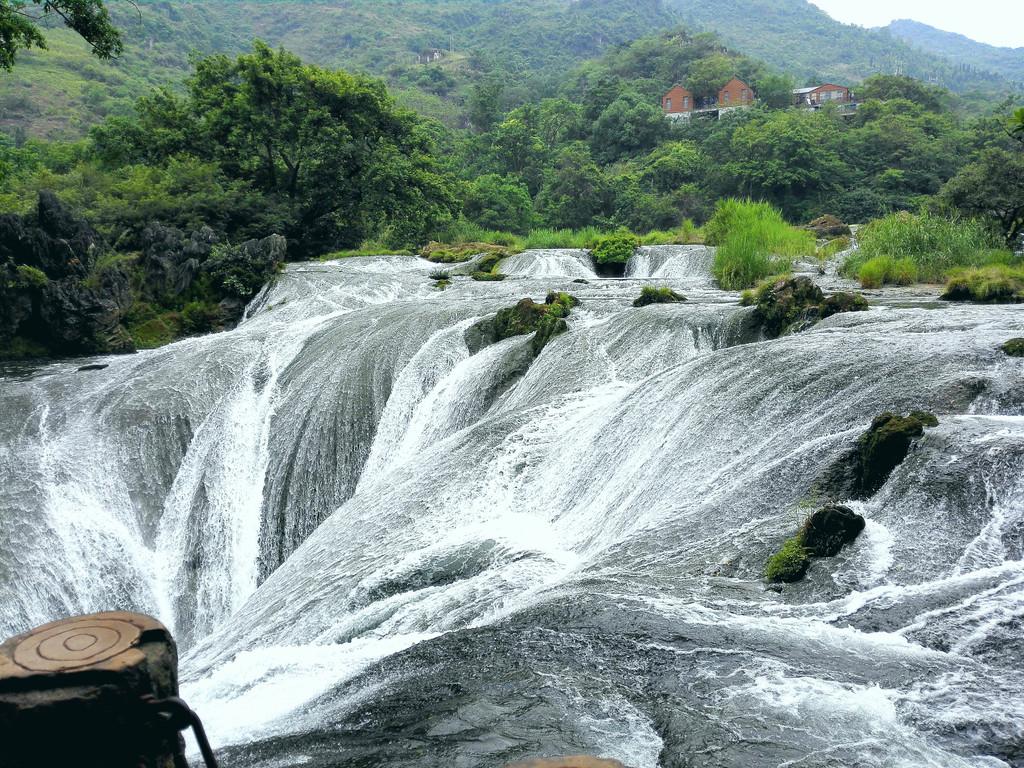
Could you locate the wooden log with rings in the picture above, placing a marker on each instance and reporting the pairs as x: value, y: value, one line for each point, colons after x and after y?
x: 92, y: 690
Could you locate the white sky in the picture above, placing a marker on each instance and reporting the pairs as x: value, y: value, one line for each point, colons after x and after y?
x: 997, y: 22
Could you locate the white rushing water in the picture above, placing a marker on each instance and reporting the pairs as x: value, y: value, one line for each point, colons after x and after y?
x: 375, y: 547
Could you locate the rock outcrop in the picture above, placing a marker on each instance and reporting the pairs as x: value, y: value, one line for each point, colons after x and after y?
x: 51, y: 295
x: 792, y: 304
x: 861, y: 471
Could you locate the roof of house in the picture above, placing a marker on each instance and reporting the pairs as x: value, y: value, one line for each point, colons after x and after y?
x: 813, y: 88
x: 734, y: 80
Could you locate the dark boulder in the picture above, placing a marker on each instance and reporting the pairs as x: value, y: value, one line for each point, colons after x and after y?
x: 1014, y: 347
x: 824, y: 534
x: 862, y: 470
x: 830, y: 529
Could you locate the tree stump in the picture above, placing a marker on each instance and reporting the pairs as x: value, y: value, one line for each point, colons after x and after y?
x: 72, y: 694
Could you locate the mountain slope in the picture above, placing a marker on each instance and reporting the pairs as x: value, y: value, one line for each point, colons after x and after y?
x: 529, y: 43
x: 799, y: 37
x: 1008, y: 62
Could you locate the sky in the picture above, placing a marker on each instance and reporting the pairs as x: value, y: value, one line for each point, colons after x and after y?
x: 996, y: 22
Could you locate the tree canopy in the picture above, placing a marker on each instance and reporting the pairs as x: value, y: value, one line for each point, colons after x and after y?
x: 20, y: 28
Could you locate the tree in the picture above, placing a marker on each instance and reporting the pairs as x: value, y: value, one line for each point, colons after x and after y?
x: 1017, y: 125
x: 775, y: 91
x: 329, y: 148
x: 888, y: 87
x: 788, y: 158
x: 629, y: 125
x: 499, y: 202
x: 708, y: 75
x: 575, y: 190
x: 20, y: 28
x: 991, y: 186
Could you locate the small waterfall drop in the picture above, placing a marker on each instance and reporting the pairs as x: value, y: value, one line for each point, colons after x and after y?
x: 550, y: 263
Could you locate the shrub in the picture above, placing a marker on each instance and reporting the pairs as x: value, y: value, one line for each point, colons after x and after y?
x: 833, y: 247
x: 616, y: 248
x: 932, y: 244
x: 882, y: 270
x: 200, y: 317
x: 996, y: 284
x: 440, y: 274
x: 30, y: 277
x: 663, y: 295
x: 754, y: 241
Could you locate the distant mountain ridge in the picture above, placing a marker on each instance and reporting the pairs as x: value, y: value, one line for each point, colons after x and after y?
x: 530, y: 43
x: 1008, y: 62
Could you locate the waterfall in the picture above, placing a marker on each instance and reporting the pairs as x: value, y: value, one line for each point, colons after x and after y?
x: 550, y: 263
x: 676, y: 262
x: 377, y: 548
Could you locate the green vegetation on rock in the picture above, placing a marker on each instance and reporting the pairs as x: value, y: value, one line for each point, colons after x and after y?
x: 784, y: 304
x: 1014, y: 347
x: 995, y: 284
x: 612, y: 252
x: 823, y: 534
x: 544, y: 321
x: 790, y: 563
x: 649, y: 294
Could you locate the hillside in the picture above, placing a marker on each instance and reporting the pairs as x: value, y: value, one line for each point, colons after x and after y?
x: 1008, y: 62
x: 800, y: 38
x: 529, y: 44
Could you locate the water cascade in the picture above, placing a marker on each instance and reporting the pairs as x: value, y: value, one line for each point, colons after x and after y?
x: 377, y: 548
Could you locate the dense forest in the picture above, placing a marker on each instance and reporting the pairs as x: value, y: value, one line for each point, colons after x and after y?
x: 1008, y: 62
x: 528, y: 45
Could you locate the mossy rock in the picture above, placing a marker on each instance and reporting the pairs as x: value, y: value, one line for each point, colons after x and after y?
x: 863, y: 470
x: 828, y: 226
x: 994, y: 284
x: 442, y: 253
x: 823, y: 534
x: 545, y: 321
x: 787, y: 304
x: 789, y: 564
x: 442, y: 284
x: 488, y: 276
x: 663, y: 295
x: 617, y: 248
x: 1014, y: 347
x: 841, y: 302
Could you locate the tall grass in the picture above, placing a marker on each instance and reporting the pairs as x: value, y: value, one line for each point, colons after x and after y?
x: 906, y: 247
x: 754, y: 241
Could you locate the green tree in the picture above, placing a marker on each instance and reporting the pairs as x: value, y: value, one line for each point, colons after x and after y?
x: 629, y: 125
x: 499, y: 202
x: 708, y: 75
x: 775, y: 91
x: 888, y: 87
x: 20, y: 28
x: 993, y: 187
x: 575, y: 190
x: 788, y: 158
